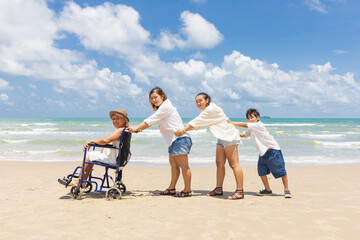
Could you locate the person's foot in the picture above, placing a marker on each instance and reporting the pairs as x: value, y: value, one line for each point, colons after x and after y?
x: 66, y: 182
x: 168, y: 192
x: 216, y: 192
x: 264, y: 192
x: 238, y: 194
x: 183, y: 194
x: 287, y: 194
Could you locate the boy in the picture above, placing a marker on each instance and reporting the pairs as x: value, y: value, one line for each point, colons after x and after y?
x: 270, y: 156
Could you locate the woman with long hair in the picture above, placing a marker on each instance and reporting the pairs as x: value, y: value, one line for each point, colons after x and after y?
x: 169, y: 120
x: 226, y: 147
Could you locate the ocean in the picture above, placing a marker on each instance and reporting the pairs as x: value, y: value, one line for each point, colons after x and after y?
x: 303, y: 141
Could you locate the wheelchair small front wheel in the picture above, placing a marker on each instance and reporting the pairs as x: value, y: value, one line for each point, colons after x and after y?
x: 122, y: 188
x: 87, y: 188
x: 75, y: 192
x: 113, y: 193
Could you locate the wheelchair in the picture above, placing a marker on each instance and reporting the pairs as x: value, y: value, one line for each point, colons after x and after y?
x: 113, y: 189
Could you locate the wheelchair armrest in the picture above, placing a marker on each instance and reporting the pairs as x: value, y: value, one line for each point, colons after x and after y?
x: 103, y: 146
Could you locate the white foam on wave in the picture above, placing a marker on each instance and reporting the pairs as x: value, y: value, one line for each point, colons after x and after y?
x: 291, y: 124
x: 38, y: 152
x: 45, y: 132
x: 45, y: 129
x: 338, y: 144
x: 37, y: 124
x: 15, y: 141
x: 322, y: 136
x: 156, y: 132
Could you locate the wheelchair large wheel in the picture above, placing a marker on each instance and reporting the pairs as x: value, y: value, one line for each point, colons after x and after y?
x: 75, y: 192
x: 87, y: 188
x: 113, y: 193
x: 122, y: 187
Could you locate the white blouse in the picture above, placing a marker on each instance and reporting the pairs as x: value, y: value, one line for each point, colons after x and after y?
x: 214, y: 117
x: 169, y: 121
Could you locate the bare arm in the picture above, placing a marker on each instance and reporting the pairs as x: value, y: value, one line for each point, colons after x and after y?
x: 240, y: 124
x: 106, y: 140
x: 181, y: 132
x: 139, y: 128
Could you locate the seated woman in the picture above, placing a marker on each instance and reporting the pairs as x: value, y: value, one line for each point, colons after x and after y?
x: 120, y: 121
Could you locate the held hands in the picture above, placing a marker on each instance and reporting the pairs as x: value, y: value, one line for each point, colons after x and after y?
x: 180, y: 132
x: 133, y: 129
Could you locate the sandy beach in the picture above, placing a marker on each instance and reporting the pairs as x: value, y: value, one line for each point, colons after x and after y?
x: 325, y: 205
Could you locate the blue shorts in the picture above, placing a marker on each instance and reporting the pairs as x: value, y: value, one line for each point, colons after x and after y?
x: 272, y: 162
x: 180, y: 146
x: 224, y: 144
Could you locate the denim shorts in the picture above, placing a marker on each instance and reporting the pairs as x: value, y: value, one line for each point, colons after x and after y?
x: 225, y: 144
x: 272, y: 162
x: 180, y: 146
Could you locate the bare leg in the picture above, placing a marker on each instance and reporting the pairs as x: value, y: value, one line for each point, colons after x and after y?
x: 175, y: 172
x: 285, y: 182
x: 265, y: 181
x: 87, y: 168
x: 233, y: 158
x: 182, y: 161
x: 220, y: 166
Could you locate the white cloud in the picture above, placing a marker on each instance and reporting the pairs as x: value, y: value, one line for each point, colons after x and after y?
x: 339, y: 51
x: 4, y: 85
x: 106, y: 28
x: 29, y: 29
x: 316, y: 5
x: 4, y: 97
x: 27, y: 50
x: 198, y: 33
x: 231, y: 94
x: 198, y: 55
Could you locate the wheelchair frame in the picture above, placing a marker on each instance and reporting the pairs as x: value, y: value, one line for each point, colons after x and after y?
x: 118, y: 187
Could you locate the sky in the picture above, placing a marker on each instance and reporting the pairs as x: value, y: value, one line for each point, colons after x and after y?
x: 74, y: 59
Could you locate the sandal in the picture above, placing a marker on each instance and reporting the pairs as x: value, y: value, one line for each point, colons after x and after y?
x: 215, y: 192
x: 238, y: 194
x: 168, y: 192
x: 183, y: 194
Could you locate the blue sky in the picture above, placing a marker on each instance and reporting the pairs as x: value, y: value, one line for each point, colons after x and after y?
x: 84, y: 58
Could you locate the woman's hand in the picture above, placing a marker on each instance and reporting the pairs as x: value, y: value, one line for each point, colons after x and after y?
x: 180, y: 132
x: 86, y: 146
x: 133, y: 129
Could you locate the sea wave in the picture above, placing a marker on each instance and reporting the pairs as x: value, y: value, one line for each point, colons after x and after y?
x: 38, y: 124
x: 338, y: 144
x: 14, y: 141
x: 156, y: 132
x: 45, y: 132
x: 291, y: 124
x: 41, y: 152
x: 322, y: 136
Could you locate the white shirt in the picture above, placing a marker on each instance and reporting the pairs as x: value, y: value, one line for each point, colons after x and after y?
x: 108, y: 155
x: 214, y: 117
x: 261, y: 138
x: 169, y: 121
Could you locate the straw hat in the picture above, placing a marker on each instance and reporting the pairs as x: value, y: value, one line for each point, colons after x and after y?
x: 120, y: 112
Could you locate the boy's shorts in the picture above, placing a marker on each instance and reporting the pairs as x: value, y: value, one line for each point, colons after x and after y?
x: 180, y: 146
x: 272, y: 162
